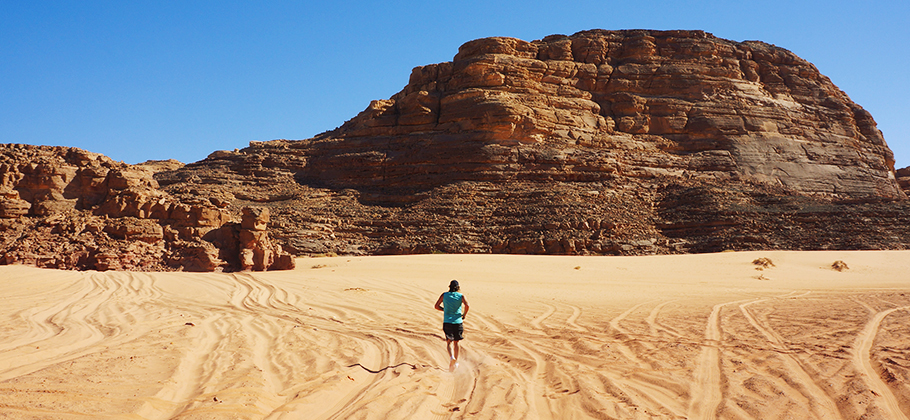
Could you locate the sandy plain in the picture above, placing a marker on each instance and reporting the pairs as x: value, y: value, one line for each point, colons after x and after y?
x: 667, y: 337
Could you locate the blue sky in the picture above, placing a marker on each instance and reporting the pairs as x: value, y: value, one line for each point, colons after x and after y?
x: 140, y: 80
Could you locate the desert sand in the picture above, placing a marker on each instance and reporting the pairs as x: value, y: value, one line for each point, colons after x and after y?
x: 669, y: 337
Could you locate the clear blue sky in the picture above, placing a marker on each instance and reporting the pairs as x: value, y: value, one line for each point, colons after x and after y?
x: 140, y: 80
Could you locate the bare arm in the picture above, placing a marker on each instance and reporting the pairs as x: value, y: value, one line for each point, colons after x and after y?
x: 464, y: 301
x: 439, y: 304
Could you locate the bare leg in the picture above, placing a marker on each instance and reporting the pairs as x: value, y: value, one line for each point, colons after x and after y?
x: 454, y: 362
x: 452, y: 356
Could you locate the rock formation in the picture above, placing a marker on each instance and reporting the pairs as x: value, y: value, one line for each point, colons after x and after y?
x: 68, y: 208
x: 603, y: 105
x: 603, y: 142
x: 256, y: 250
x: 903, y: 179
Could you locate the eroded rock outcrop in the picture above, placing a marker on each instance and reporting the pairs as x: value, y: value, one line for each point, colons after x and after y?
x: 599, y: 106
x: 257, y: 252
x: 68, y: 208
x: 11, y: 206
x: 903, y: 179
x: 603, y: 142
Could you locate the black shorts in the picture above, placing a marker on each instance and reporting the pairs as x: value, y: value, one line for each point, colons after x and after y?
x: 454, y: 332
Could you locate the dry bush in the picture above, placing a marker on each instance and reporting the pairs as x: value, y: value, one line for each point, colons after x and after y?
x: 839, y: 265
x: 763, y: 263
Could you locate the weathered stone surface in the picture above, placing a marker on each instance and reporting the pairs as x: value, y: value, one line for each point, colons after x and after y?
x: 132, y: 229
x: 155, y: 166
x: 196, y: 256
x: 903, y: 179
x: 254, y: 218
x: 67, y: 208
x: 11, y: 206
x: 581, y: 145
x: 257, y: 252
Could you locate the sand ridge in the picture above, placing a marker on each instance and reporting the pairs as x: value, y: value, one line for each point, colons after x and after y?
x: 709, y: 336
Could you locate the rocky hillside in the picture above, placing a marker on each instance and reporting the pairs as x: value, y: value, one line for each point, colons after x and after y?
x: 603, y: 142
x: 68, y: 208
x: 601, y: 106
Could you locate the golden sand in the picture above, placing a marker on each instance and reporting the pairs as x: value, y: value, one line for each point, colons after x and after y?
x: 668, y: 337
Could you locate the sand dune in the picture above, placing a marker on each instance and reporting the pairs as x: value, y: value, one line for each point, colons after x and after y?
x: 673, y: 337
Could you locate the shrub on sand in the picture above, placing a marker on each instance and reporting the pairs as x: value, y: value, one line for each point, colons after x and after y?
x: 762, y: 263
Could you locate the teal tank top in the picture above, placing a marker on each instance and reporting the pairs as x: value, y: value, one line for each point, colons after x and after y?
x: 451, y: 303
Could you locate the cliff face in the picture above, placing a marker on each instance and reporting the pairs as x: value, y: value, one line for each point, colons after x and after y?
x: 603, y: 106
x: 603, y: 142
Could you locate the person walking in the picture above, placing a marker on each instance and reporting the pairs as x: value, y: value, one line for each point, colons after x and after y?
x: 451, y: 304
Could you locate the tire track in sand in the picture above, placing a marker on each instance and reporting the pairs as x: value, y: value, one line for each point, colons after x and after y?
x: 551, y: 310
x: 862, y: 359
x: 536, y: 399
x: 624, y: 336
x: 536, y: 321
x: 654, y: 327
x: 706, y: 394
x: 40, y: 320
x: 576, y: 312
x: 819, y: 401
x: 196, y: 369
x: 445, y: 391
x: 263, y: 335
x: 62, y: 331
x: 344, y: 392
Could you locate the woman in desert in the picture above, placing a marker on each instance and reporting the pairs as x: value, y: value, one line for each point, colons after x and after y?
x: 451, y: 303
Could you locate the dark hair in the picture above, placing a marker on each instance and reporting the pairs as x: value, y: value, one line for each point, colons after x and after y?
x: 453, y: 286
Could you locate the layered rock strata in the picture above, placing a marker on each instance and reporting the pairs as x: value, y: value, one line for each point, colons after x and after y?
x: 606, y: 105
x: 257, y: 252
x: 903, y: 179
x: 603, y: 142
x: 68, y: 208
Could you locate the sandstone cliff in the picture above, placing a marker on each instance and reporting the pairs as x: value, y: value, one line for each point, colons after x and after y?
x: 616, y: 142
x: 603, y: 142
x: 599, y: 106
